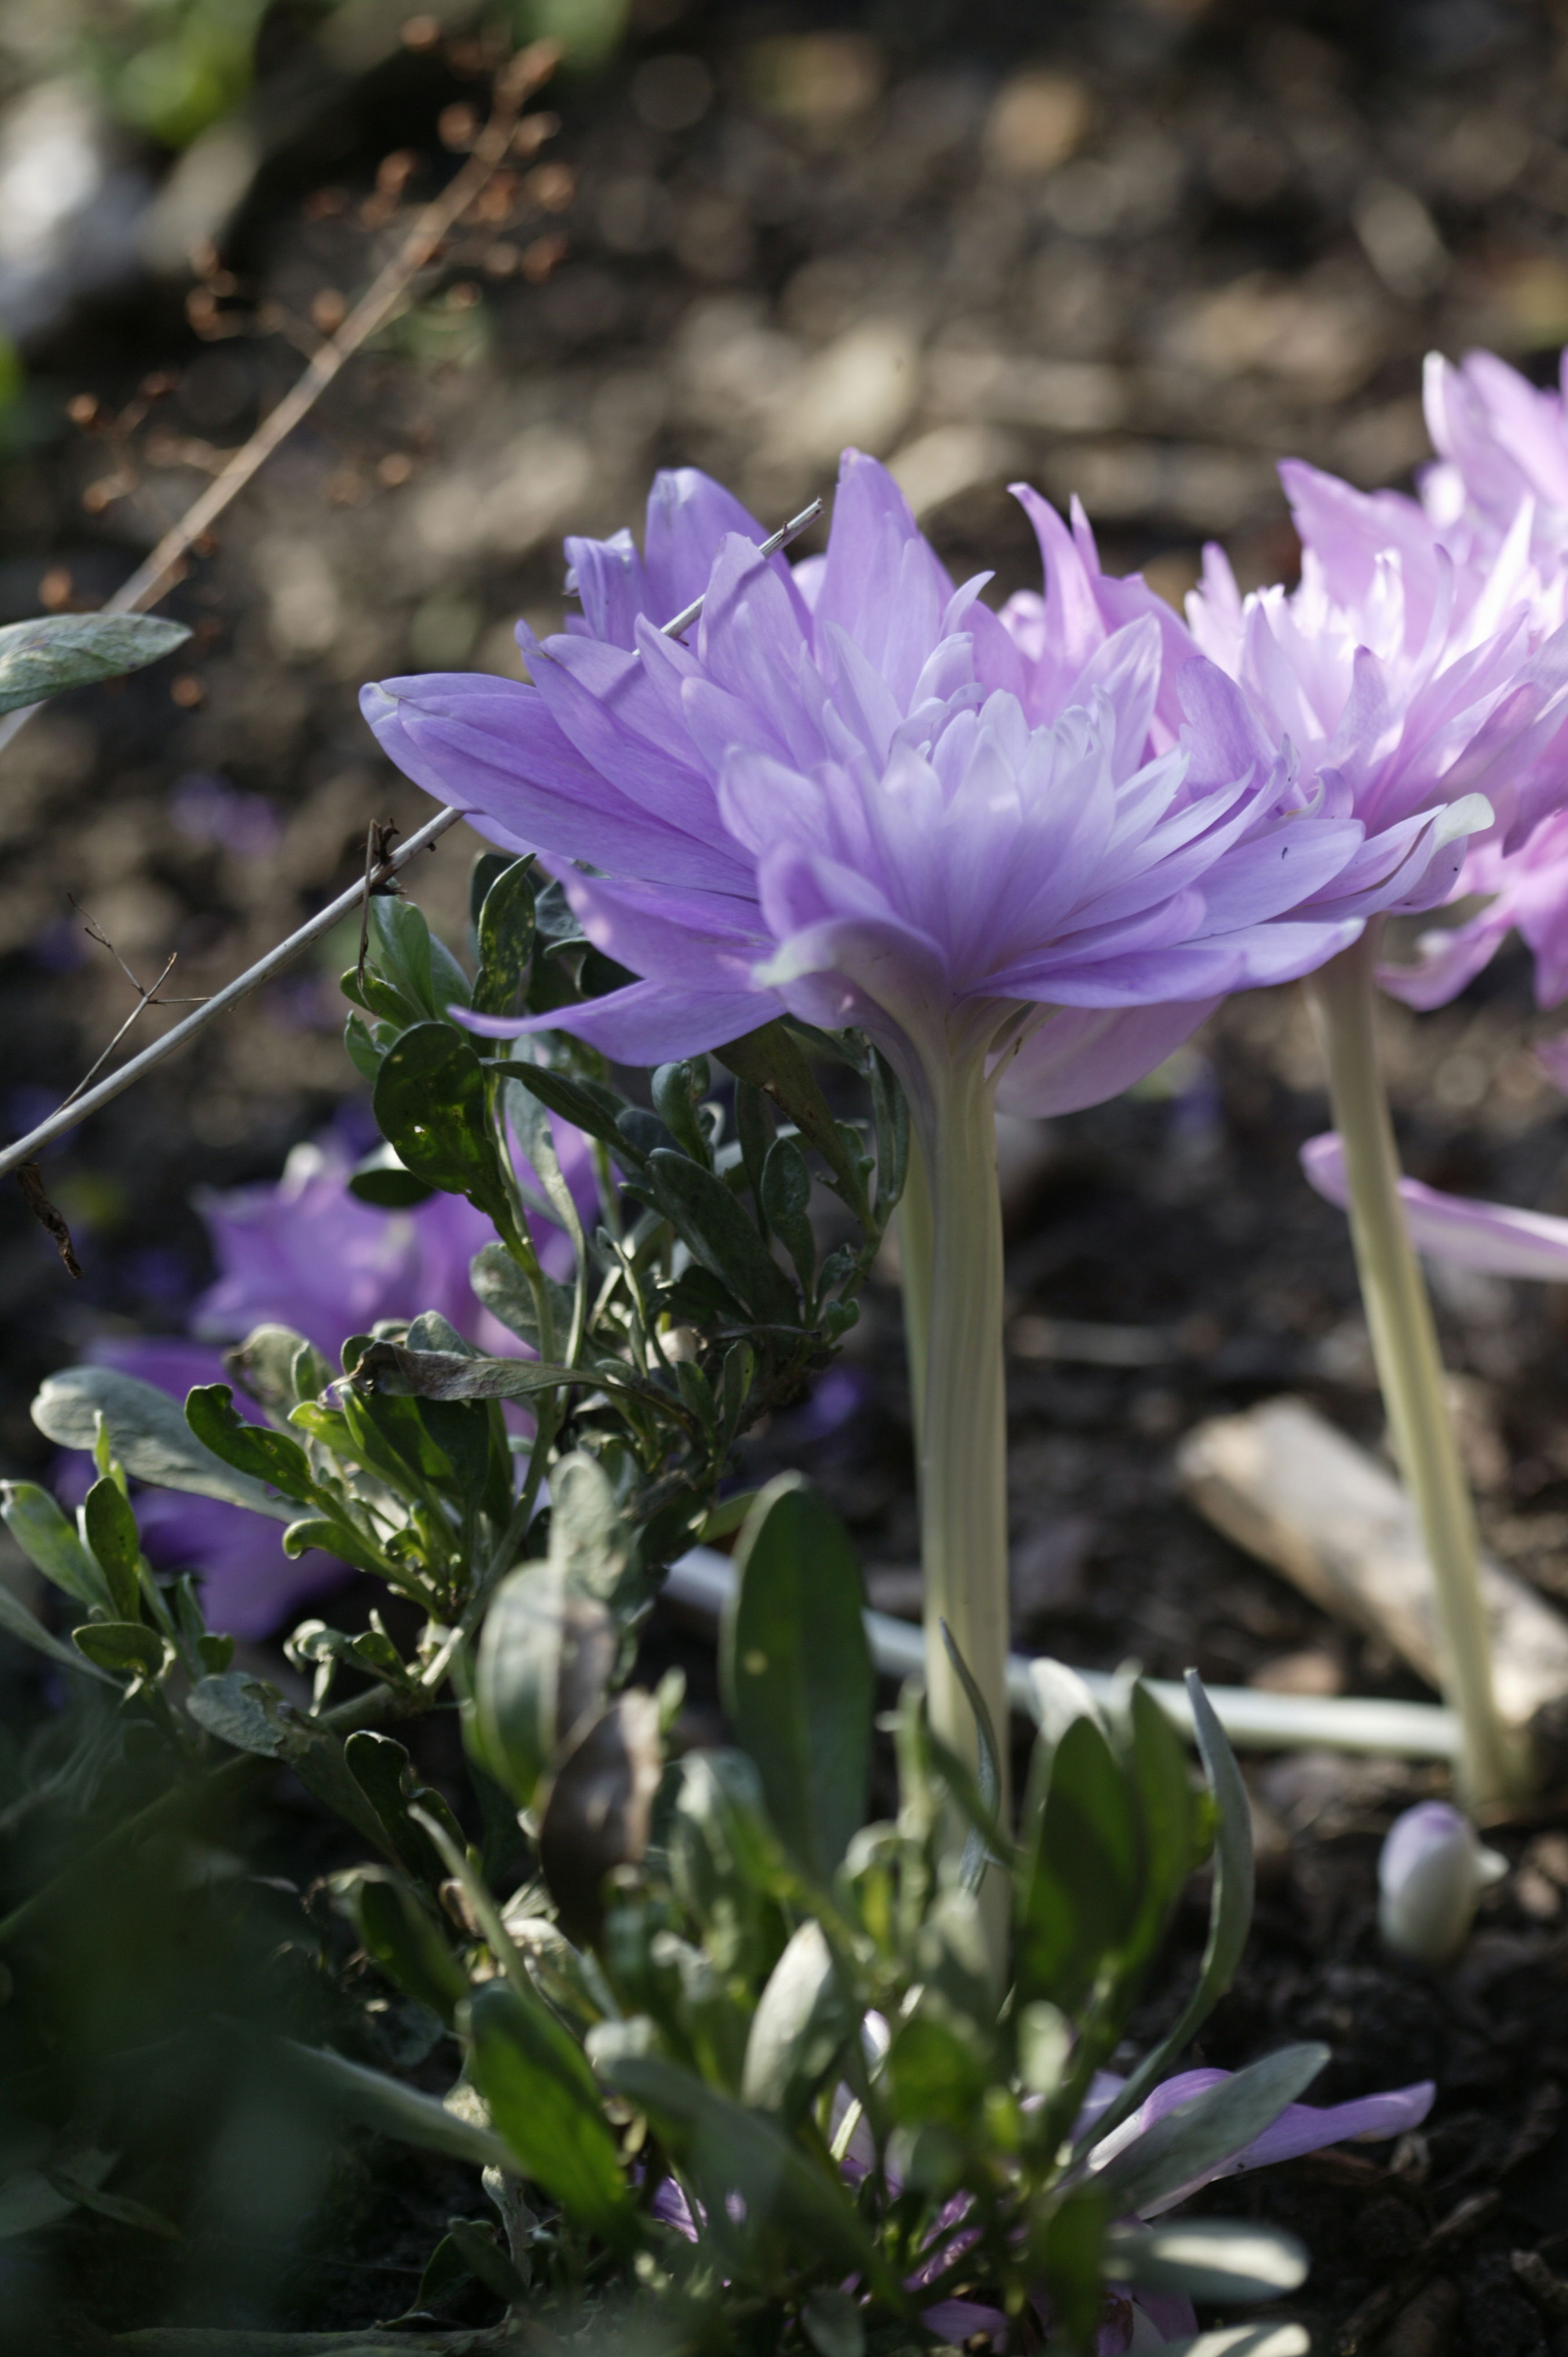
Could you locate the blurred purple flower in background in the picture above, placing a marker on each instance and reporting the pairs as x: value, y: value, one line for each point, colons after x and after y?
x: 304, y: 1252
x: 1412, y: 694
x: 208, y: 811
x: 1491, y: 1237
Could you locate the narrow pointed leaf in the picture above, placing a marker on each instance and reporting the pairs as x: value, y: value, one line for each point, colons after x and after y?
x: 797, y: 1671
x: 43, y: 658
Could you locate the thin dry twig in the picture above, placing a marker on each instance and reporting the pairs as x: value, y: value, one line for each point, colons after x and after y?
x: 378, y: 843
x: 144, y: 997
x: 515, y: 83
x: 45, y: 1213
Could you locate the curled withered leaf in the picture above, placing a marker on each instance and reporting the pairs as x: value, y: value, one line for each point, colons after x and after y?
x: 599, y: 1811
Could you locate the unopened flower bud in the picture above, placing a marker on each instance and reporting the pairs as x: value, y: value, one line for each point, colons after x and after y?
x: 1430, y: 1875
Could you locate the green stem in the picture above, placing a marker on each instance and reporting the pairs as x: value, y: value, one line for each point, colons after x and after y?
x: 1410, y: 1367
x: 916, y: 1248
x: 963, y: 1434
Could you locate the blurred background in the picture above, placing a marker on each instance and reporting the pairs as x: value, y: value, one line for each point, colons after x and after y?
x: 1134, y: 249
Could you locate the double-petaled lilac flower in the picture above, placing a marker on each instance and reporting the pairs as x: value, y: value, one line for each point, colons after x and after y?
x: 1502, y: 445
x: 862, y: 798
x: 305, y: 1253
x: 1423, y: 698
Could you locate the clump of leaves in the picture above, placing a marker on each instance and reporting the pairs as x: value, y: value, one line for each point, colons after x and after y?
x: 739, y: 2052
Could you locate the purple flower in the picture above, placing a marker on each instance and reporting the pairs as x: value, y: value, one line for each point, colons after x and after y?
x: 1414, y: 692
x: 1502, y: 445
x: 1129, y: 2319
x: 303, y: 1252
x: 1300, y: 2128
x: 862, y: 798
x: 859, y: 798
x: 1492, y: 1237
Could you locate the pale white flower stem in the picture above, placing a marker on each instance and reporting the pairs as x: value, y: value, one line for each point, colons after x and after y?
x: 916, y: 1247
x: 963, y: 1434
x: 1492, y: 1767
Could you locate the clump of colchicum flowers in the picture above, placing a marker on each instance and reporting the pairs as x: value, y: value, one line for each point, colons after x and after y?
x: 725, y: 2041
x: 859, y: 798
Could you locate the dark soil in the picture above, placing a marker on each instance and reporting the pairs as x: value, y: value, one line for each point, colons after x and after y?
x: 1138, y: 249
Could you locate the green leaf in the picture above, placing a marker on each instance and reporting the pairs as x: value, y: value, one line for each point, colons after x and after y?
x: 543, y: 2100
x: 16, y: 1621
x: 485, y: 2259
x: 586, y: 1104
x: 395, y: 2109
x: 1070, y: 2255
x: 148, y: 1435
x: 987, y: 1838
x: 801, y: 2021
x: 398, y: 1931
x: 33, y: 2199
x: 833, y: 2323
x: 536, y: 1136
x: 445, y: 1375
x: 797, y: 1671
x: 1230, y: 1905
x: 430, y: 1104
x: 720, y: 1238
x: 1192, y: 2141
x: 381, y: 1179
x: 124, y: 2212
x: 723, y: 1854
x: 890, y: 1112
x: 385, y: 1773
x: 277, y: 1368
x: 254, y: 1450
x: 111, y: 1528
x: 729, y: 2149
x: 772, y: 1060
x: 124, y: 1648
x: 506, y: 939
x: 363, y: 1049
x: 49, y: 1541
x: 588, y: 1534
x: 939, y: 2066
x: 756, y: 1127
x: 544, y: 1658
x: 1081, y: 1892
x: 419, y: 967
x: 242, y: 1711
x: 42, y: 658
x: 1206, y: 2258
x: 785, y: 1193
x: 507, y: 1295
x: 678, y: 1091
x: 251, y: 1716
x: 334, y: 1537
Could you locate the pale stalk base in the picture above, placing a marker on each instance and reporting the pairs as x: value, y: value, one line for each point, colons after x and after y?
x: 964, y: 1442
x: 915, y: 1250
x: 1492, y: 1768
